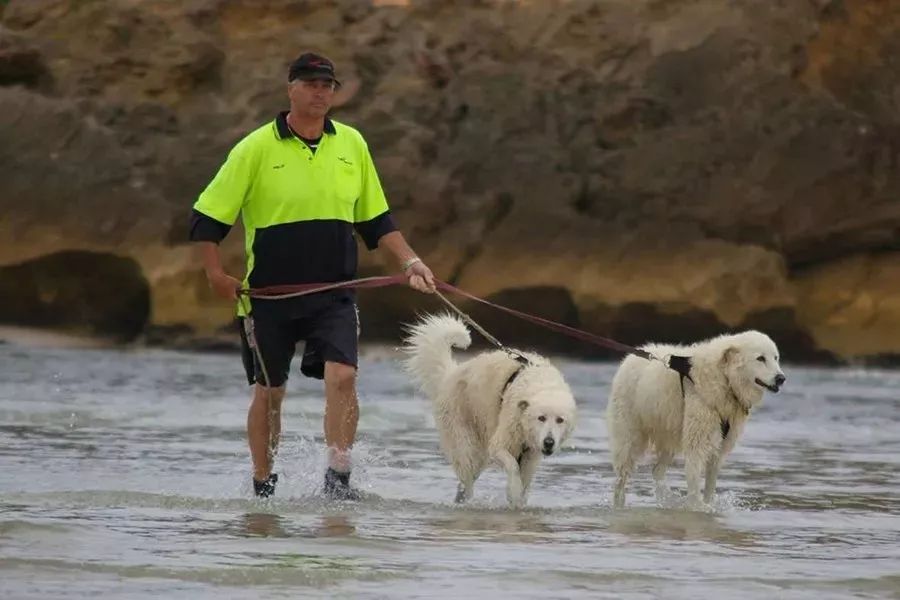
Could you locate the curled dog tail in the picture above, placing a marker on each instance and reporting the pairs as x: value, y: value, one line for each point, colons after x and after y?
x: 428, y: 347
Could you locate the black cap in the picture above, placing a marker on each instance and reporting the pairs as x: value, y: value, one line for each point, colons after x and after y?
x: 309, y: 66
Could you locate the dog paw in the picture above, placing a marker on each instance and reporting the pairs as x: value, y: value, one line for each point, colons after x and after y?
x: 515, y: 495
x: 516, y: 503
x: 696, y: 504
x: 667, y: 497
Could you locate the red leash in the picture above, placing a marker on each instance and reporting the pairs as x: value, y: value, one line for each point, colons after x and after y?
x: 578, y: 334
x: 276, y: 292
x: 279, y: 292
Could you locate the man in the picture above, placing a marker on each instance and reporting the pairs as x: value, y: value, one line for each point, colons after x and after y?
x: 302, y: 184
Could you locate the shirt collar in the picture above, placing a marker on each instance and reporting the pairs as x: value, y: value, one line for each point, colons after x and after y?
x: 283, y: 131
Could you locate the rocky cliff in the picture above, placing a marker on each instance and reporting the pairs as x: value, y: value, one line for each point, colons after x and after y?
x: 650, y: 169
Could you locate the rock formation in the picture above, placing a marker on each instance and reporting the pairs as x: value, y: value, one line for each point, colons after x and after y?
x: 651, y: 169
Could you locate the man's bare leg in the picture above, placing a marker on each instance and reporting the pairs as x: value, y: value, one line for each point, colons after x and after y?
x: 258, y: 428
x: 341, y: 418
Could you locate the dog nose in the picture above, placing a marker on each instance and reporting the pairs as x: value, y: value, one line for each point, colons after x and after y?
x: 548, y: 444
x: 780, y: 379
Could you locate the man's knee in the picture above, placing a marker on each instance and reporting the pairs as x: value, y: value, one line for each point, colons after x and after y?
x: 262, y: 393
x: 340, y: 376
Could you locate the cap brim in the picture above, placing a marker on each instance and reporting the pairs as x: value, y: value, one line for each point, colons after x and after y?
x: 315, y: 77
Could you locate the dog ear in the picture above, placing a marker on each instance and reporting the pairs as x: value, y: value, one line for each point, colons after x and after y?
x: 523, y: 404
x: 729, y: 354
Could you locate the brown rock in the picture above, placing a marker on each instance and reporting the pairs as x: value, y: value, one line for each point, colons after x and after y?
x: 852, y: 306
x: 646, y: 170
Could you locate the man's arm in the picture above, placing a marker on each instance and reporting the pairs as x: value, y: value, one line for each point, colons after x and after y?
x: 214, y: 213
x: 223, y: 284
x: 419, y: 275
x: 373, y: 221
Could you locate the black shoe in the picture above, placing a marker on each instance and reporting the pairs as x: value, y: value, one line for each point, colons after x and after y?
x: 265, y: 488
x: 337, y: 486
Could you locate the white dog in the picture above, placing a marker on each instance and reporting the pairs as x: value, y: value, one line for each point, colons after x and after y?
x: 646, y: 406
x: 490, y: 407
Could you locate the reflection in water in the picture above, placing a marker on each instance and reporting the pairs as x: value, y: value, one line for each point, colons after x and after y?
x: 681, y: 525
x: 334, y: 526
x: 263, y: 525
x: 257, y: 524
x: 496, y: 524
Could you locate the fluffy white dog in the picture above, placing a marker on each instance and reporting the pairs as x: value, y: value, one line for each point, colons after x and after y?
x: 490, y: 407
x: 646, y: 407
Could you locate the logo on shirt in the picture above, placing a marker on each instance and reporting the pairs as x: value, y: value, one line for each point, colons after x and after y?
x: 278, y: 166
x: 345, y: 161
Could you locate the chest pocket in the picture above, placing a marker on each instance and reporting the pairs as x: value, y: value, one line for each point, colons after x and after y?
x: 347, y: 179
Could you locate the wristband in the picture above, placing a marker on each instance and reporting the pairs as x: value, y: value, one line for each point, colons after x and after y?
x: 408, y: 263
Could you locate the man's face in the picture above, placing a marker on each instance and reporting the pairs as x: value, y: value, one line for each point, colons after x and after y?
x: 311, y: 98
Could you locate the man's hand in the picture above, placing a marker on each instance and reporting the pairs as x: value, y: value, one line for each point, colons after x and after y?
x: 223, y: 285
x: 420, y: 277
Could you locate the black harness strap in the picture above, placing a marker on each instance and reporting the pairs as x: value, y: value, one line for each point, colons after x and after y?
x: 726, y: 424
x: 523, y: 362
x: 726, y: 427
x: 521, y: 456
x: 682, y: 366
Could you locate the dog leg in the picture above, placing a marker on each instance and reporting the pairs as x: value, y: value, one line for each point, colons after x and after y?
x: 698, y: 449
x: 463, y: 492
x: 467, y: 460
x: 624, y: 456
x: 701, y: 439
x: 527, y: 468
x: 693, y: 472
x: 715, y: 463
x: 467, y: 477
x: 712, y: 472
x: 663, y: 461
x: 697, y: 460
x: 514, y: 492
x: 619, y: 492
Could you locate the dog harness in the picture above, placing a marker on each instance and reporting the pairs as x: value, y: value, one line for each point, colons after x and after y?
x: 726, y: 424
x: 684, y: 369
x: 521, y: 456
x: 523, y: 362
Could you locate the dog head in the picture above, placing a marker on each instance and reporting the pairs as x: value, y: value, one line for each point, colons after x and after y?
x: 751, y: 364
x: 548, y: 419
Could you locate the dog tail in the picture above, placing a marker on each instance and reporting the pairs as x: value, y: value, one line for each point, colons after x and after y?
x: 428, y: 347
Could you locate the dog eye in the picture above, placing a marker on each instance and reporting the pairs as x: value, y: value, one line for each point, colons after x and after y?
x: 559, y: 419
x: 542, y: 418
x: 761, y: 359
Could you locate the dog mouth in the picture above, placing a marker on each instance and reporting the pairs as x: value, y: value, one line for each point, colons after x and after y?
x: 772, y: 387
x: 546, y: 452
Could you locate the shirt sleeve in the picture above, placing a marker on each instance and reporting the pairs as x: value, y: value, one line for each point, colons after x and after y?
x: 372, y: 230
x: 224, y: 196
x: 371, y: 215
x: 207, y: 229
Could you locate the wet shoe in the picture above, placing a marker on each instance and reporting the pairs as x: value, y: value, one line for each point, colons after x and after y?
x: 337, y: 486
x: 265, y: 488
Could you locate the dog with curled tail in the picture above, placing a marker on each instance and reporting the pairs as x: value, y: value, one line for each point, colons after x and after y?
x: 505, y: 407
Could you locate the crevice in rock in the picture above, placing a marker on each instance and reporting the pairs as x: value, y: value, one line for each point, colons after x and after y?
x: 21, y: 64
x: 77, y: 291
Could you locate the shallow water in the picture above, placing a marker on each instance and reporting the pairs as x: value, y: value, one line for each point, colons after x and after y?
x: 125, y: 473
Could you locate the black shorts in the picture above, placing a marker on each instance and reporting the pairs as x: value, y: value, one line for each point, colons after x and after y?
x: 328, y: 323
